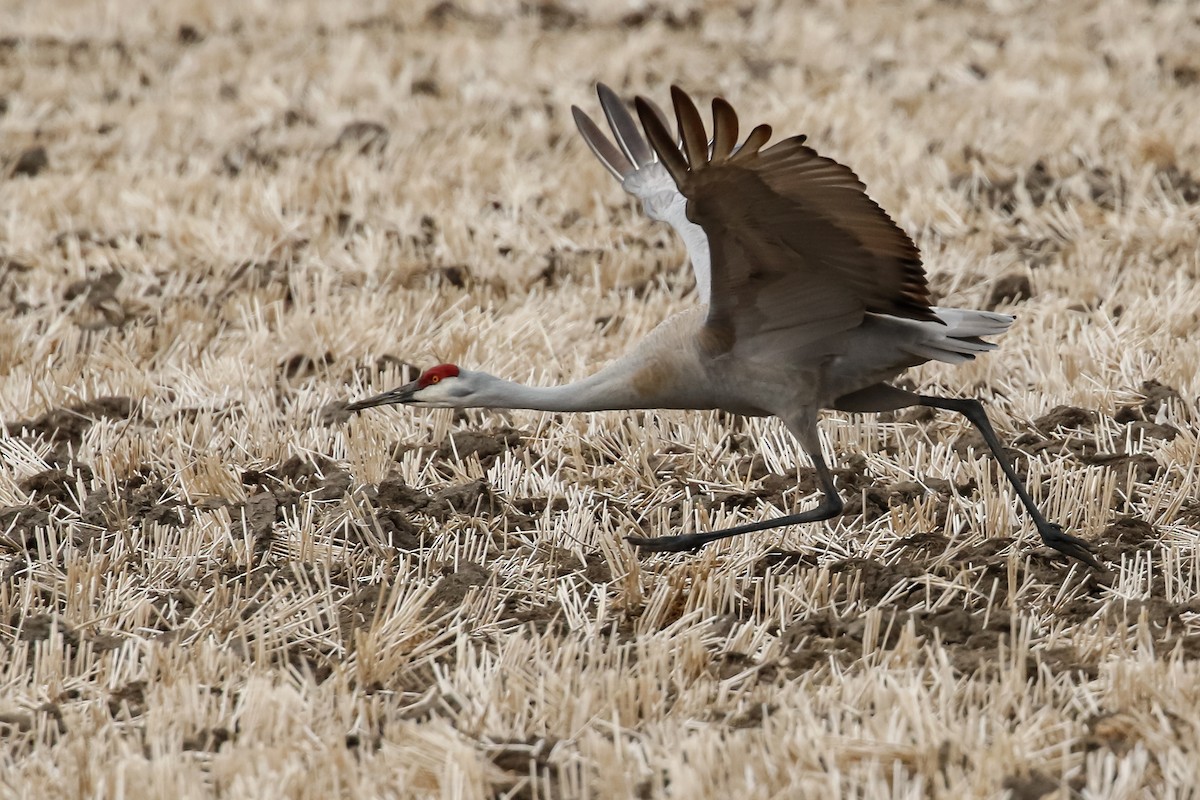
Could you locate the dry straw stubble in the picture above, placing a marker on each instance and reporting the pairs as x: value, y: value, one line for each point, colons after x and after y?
x: 220, y: 219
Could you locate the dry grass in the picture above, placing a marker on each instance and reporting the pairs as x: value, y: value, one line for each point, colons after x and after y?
x: 212, y: 583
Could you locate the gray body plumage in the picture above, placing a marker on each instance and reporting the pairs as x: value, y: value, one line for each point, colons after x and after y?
x: 670, y: 367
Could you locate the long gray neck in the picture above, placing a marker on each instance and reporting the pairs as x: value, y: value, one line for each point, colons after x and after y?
x: 607, y: 390
x: 662, y: 371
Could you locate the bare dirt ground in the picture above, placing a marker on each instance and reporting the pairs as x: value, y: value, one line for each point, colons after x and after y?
x: 219, y: 220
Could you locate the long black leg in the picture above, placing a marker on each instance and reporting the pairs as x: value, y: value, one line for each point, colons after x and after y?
x: 830, y: 505
x: 1052, y: 534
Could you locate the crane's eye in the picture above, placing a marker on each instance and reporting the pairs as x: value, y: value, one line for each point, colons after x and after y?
x: 435, y: 374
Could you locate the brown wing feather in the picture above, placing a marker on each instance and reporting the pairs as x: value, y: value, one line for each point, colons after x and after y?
x: 754, y: 142
x: 691, y: 127
x: 661, y: 140
x: 725, y: 129
x: 796, y: 243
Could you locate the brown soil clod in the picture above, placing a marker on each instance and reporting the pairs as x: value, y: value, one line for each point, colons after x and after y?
x: 731, y: 500
x: 473, y: 498
x: 398, y: 530
x: 519, y: 756
x: 150, y: 501
x: 485, y: 446
x: 907, y: 491
x: 1154, y: 430
x: 71, y: 422
x: 257, y: 514
x: 95, y: 290
x: 57, y: 486
x: 318, y: 476
x: 539, y: 505
x: 18, y: 526
x: 364, y: 136
x: 1155, y: 395
x: 1009, y: 289
x: 368, y: 372
x: 784, y: 559
x: 870, y: 502
x: 38, y: 627
x: 927, y: 543
x: 1032, y: 786
x: 304, y: 365
x: 394, y: 493
x: 952, y: 625
x: 454, y: 585
x: 875, y: 579
x: 1143, y: 466
x: 30, y: 162
x: 1126, y: 536
x: 100, y: 305
x: 209, y: 740
x: 597, y: 569
x: 1065, y: 417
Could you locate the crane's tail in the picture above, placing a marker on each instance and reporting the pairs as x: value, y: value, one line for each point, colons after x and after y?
x: 958, y: 339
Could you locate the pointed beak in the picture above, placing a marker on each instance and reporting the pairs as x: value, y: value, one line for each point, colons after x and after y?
x: 395, y: 397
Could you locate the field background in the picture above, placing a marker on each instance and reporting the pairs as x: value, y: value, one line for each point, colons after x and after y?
x: 220, y: 219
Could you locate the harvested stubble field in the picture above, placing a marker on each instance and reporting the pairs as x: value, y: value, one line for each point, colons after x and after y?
x: 219, y: 220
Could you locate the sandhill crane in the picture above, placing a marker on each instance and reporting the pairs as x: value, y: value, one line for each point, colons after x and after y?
x: 811, y: 298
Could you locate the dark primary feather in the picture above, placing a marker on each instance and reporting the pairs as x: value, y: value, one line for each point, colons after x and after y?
x: 757, y: 138
x: 797, y: 245
x: 658, y: 112
x: 662, y: 142
x: 631, y: 152
x: 691, y: 128
x: 623, y: 126
x: 725, y: 129
x: 613, y: 159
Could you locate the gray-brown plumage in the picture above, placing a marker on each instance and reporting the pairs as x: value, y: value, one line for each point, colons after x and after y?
x: 811, y: 297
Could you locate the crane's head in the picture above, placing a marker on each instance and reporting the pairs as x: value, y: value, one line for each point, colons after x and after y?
x: 443, y: 386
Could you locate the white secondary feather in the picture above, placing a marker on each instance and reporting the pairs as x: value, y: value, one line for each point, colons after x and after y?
x: 661, y: 200
x: 641, y: 174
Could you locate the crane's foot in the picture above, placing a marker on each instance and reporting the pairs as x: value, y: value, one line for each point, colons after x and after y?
x: 669, y: 544
x: 1054, y: 537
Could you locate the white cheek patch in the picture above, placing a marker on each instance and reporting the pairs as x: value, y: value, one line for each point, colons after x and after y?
x: 436, y: 395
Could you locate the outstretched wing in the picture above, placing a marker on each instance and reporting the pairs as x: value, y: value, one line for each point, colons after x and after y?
x: 798, y: 249
x: 634, y: 163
